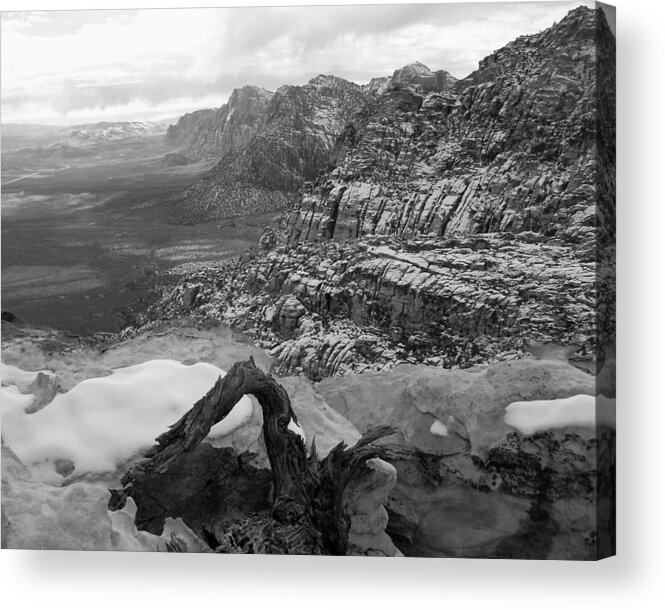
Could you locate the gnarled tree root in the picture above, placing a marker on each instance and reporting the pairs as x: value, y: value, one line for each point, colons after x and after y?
x: 307, y: 514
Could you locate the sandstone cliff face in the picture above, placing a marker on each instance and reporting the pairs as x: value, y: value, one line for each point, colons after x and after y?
x: 455, y: 220
x: 190, y: 127
x: 292, y: 144
x: 330, y: 308
x: 210, y: 134
x: 511, y: 148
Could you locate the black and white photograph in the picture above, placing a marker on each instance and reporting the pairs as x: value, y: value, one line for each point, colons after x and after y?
x: 310, y: 280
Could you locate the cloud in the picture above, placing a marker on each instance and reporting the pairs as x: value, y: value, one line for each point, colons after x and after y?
x: 60, y: 65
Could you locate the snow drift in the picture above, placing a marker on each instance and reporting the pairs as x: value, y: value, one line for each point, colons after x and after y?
x: 104, y: 421
x: 581, y: 410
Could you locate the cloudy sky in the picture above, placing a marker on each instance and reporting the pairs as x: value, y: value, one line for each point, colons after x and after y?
x: 62, y: 67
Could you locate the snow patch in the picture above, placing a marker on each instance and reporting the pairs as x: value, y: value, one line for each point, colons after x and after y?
x: 14, y: 376
x: 582, y: 410
x: 104, y: 421
x: 438, y: 428
x: 13, y: 399
x: 297, y: 429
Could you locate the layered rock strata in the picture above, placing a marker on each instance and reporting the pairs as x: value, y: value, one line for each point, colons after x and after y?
x: 292, y: 143
x: 455, y: 219
x: 329, y: 308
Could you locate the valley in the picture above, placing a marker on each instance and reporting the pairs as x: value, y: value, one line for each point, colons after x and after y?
x: 84, y: 241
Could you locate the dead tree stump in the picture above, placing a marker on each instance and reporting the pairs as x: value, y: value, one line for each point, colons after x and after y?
x: 307, y: 515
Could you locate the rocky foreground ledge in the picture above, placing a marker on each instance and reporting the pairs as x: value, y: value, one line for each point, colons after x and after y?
x: 466, y: 475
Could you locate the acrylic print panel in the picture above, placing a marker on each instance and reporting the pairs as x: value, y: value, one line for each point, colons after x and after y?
x: 310, y: 280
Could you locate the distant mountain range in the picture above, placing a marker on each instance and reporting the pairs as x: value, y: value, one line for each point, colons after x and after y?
x: 17, y: 135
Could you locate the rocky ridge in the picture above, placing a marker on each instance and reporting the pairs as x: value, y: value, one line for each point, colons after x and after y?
x: 292, y: 143
x: 209, y: 134
x: 451, y: 224
x: 350, y: 306
x: 511, y: 148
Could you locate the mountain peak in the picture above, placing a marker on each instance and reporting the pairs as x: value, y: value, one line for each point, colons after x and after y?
x: 328, y: 80
x: 418, y: 74
x: 244, y: 95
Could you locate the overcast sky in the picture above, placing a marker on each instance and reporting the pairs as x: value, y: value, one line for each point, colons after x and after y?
x: 84, y: 66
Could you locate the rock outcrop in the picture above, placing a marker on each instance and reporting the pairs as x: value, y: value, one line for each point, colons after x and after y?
x: 293, y: 142
x: 36, y: 516
x: 420, y: 75
x: 210, y: 134
x: 330, y: 308
x: 471, y: 485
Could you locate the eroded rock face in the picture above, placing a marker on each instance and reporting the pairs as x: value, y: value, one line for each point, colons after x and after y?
x: 455, y: 221
x: 36, y: 516
x: 365, y: 305
x: 293, y: 142
x: 470, y: 485
x: 511, y: 148
x: 210, y: 134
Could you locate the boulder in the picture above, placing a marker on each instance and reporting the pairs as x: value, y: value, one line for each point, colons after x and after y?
x: 289, y: 311
x: 471, y: 485
x: 440, y: 411
x: 44, y: 388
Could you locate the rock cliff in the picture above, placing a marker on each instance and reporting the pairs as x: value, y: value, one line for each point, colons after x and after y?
x: 293, y: 142
x: 511, y: 148
x: 210, y: 134
x: 453, y: 219
x: 190, y: 127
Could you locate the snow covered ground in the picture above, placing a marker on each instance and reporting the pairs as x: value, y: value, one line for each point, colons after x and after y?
x: 102, y: 422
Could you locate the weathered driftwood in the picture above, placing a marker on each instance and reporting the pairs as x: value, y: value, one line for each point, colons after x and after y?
x: 307, y: 512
